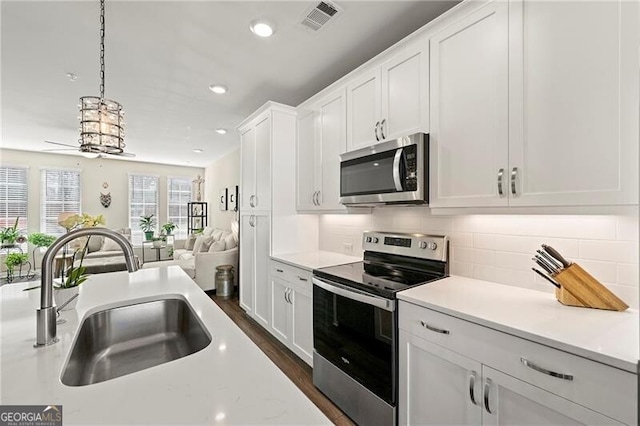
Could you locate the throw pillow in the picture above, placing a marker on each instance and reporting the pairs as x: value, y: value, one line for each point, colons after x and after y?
x: 110, y: 245
x: 217, y: 246
x: 217, y: 234
x: 198, y: 244
x: 95, y: 243
x: 191, y: 240
x: 206, y: 243
x: 230, y: 242
x: 207, y: 231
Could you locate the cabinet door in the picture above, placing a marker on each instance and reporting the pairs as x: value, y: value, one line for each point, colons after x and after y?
x: 280, y: 310
x: 247, y: 258
x: 437, y: 386
x: 306, y: 160
x: 574, y: 102
x: 405, y: 92
x: 332, y: 143
x: 248, y: 167
x: 469, y: 110
x: 262, y: 309
x: 302, y: 325
x: 363, y: 110
x: 509, y: 401
x: 262, y: 200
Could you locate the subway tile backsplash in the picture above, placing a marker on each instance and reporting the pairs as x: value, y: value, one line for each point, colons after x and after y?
x: 499, y: 248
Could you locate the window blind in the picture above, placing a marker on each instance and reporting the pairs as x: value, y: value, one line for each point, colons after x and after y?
x: 178, y: 195
x: 143, y: 201
x: 60, y: 191
x: 13, y: 196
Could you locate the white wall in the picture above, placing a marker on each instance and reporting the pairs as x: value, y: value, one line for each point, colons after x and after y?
x: 94, y: 173
x: 499, y: 248
x: 223, y: 173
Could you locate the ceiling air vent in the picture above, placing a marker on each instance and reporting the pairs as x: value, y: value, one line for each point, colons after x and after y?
x: 317, y: 17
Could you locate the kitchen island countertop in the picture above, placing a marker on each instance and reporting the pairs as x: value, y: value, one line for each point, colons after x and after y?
x: 231, y: 381
x: 608, y: 337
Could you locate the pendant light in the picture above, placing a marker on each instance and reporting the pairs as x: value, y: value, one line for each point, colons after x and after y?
x: 101, y: 119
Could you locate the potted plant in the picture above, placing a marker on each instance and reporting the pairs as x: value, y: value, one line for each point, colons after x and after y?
x: 11, y: 235
x: 168, y: 228
x: 12, y: 260
x: 158, y: 242
x: 147, y: 224
x: 40, y: 240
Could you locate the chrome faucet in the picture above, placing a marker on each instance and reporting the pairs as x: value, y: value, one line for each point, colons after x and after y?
x: 46, y: 314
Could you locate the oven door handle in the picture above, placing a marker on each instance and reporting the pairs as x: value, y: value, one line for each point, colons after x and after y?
x: 387, y: 305
x: 396, y: 170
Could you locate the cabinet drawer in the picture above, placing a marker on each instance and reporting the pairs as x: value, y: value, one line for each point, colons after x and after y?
x: 602, y: 388
x: 297, y: 277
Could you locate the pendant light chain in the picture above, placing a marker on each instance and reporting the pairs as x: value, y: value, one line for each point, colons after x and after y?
x: 101, y: 49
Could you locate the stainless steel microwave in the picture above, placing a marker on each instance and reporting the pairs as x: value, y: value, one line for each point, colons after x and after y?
x: 392, y: 172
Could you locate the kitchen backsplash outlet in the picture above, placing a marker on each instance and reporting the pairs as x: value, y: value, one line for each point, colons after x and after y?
x: 499, y: 248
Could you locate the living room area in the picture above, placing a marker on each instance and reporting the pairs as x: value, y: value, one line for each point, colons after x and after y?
x: 45, y: 195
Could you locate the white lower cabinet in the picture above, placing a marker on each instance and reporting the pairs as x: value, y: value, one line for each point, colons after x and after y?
x: 255, y: 240
x: 455, y: 372
x: 292, y: 309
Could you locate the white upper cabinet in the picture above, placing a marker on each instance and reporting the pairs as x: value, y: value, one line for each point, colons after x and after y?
x: 535, y: 104
x: 321, y: 140
x: 574, y: 102
x: 469, y: 109
x: 390, y: 100
x: 248, y: 167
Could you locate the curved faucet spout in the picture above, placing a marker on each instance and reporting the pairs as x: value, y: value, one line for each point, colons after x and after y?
x: 46, y: 314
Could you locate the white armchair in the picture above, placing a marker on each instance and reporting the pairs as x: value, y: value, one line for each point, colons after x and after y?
x: 201, y: 265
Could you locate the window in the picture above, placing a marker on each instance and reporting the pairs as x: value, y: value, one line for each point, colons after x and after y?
x: 143, y: 201
x: 178, y: 195
x: 59, y: 192
x: 13, y: 196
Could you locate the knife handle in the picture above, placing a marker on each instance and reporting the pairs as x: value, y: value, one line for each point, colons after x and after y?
x: 554, y: 253
x: 549, y: 259
x: 543, y: 265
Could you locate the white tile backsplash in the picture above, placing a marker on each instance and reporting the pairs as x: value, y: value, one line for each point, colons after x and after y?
x: 499, y: 248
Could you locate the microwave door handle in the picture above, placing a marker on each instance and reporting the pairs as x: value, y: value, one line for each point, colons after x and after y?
x: 396, y: 170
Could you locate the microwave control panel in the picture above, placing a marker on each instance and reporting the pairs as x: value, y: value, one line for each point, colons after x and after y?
x: 411, y: 175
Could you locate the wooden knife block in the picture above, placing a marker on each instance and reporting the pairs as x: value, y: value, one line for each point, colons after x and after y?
x: 579, y: 288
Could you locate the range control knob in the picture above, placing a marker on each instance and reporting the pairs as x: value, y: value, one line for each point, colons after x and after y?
x: 368, y: 239
x: 432, y: 246
x: 422, y: 245
x: 374, y: 240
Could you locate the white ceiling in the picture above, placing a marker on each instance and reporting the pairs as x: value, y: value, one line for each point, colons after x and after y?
x: 161, y: 57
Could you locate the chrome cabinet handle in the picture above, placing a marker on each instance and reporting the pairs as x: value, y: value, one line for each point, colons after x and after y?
x: 487, y: 388
x: 500, y: 177
x: 279, y: 270
x: 302, y: 279
x: 251, y: 203
x: 252, y: 219
x: 539, y: 369
x: 382, y: 128
x: 286, y: 292
x: 315, y: 198
x: 472, y: 387
x: 375, y: 131
x: 514, y: 178
x: 255, y: 201
x: 318, y: 198
x: 432, y: 328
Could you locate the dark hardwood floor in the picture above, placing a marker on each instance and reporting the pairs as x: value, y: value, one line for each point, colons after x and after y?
x: 292, y: 366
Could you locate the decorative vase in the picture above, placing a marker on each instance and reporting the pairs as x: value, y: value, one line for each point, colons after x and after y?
x: 62, y: 295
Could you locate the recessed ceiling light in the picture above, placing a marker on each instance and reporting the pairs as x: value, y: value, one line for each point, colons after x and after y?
x: 221, y: 131
x: 71, y: 76
x: 217, y: 88
x: 261, y: 28
x: 198, y: 151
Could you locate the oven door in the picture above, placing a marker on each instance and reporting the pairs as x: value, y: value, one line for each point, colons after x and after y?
x: 356, y: 332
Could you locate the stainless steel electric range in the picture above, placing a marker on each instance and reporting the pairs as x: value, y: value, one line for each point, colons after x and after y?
x: 355, y: 335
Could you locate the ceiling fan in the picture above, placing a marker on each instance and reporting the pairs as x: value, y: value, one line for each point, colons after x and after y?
x: 86, y: 154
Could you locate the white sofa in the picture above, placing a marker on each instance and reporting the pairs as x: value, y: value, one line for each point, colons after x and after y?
x: 201, y: 265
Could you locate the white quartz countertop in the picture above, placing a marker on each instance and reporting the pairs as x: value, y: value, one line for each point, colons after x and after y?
x: 605, y: 336
x: 315, y: 259
x: 231, y: 381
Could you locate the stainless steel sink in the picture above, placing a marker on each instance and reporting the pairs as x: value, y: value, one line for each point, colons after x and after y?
x: 120, y: 341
